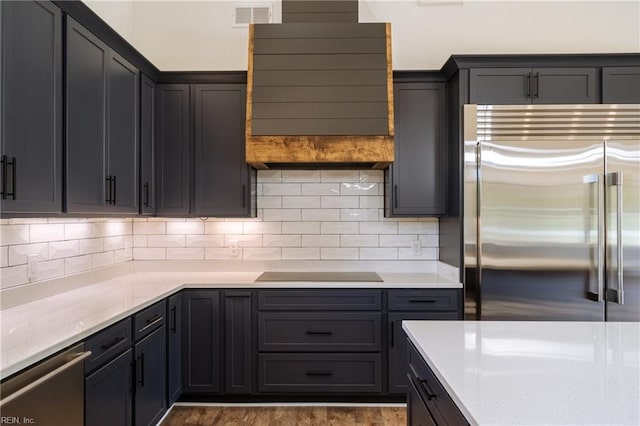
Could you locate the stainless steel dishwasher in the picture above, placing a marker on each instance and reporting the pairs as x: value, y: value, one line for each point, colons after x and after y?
x: 50, y: 393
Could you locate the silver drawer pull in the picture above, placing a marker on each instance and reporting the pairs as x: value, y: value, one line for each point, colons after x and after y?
x: 151, y: 322
x: 326, y: 333
x: 79, y: 358
x: 319, y: 373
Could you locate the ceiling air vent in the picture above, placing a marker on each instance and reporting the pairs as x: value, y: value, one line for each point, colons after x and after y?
x: 256, y: 14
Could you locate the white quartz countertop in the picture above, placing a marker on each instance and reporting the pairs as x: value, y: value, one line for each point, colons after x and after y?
x: 35, y: 330
x: 535, y: 373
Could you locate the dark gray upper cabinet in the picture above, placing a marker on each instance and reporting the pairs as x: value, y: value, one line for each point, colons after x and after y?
x: 533, y: 85
x: 201, y: 341
x: 172, y: 150
x: 416, y: 181
x: 31, y: 92
x: 222, y: 176
x: 147, y: 152
x: 238, y: 341
x: 102, y: 126
x: 174, y: 348
x: 122, y: 134
x: 621, y: 85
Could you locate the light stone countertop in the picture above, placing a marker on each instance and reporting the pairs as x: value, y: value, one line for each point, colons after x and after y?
x: 535, y: 373
x: 32, y: 331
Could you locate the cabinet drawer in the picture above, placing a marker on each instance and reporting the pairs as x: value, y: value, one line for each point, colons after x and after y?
x: 148, y: 320
x: 319, y: 300
x: 107, y: 344
x: 438, y: 401
x: 320, y: 373
x: 319, y: 332
x: 423, y: 300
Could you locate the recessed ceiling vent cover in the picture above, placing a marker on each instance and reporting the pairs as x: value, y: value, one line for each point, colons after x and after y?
x: 256, y: 14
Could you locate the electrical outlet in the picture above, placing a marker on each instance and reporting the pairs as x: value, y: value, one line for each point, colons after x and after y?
x: 416, y: 248
x: 233, y: 247
x: 33, y: 266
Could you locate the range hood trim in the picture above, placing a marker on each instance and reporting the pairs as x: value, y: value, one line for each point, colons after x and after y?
x: 370, y: 151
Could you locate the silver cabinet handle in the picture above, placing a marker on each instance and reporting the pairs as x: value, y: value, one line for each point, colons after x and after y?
x: 600, y: 249
x: 79, y: 358
x: 615, y: 179
x: 150, y: 323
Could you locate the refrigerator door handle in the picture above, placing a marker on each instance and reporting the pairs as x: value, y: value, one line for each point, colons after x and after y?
x: 615, y: 179
x: 594, y: 178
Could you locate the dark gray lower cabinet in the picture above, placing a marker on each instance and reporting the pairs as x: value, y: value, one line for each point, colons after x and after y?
x: 150, y: 377
x: 201, y: 341
x: 109, y: 393
x: 415, y: 184
x: 417, y: 412
x: 238, y: 342
x: 621, y: 85
x: 174, y: 348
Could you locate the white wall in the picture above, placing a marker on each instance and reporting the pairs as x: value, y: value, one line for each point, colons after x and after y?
x: 197, y: 35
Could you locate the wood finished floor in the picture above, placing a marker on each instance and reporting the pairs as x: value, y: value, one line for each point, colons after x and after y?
x: 294, y: 416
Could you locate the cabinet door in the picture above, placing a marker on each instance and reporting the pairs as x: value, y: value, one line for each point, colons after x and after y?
x: 122, y: 134
x: 495, y: 86
x: 621, y: 85
x: 172, y: 150
x: 417, y: 412
x: 31, y: 89
x: 151, y: 386
x: 565, y: 86
x: 238, y: 340
x: 86, y: 104
x: 398, y: 361
x: 109, y: 393
x: 201, y: 343
x: 147, y: 155
x: 417, y: 178
x: 221, y: 171
x: 174, y: 348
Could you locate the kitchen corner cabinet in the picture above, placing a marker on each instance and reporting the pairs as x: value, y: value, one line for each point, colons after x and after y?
x: 534, y: 85
x: 222, y: 176
x: 172, y: 150
x: 147, y: 154
x: 201, y: 341
x: 621, y: 85
x: 31, y: 93
x: 102, y: 127
x: 238, y: 341
x: 174, y: 348
x: 415, y: 184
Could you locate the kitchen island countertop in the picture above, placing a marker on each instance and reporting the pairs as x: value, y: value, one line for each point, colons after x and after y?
x: 535, y: 373
x: 32, y: 331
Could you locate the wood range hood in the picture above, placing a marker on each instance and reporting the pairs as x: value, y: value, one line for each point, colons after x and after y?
x: 320, y: 89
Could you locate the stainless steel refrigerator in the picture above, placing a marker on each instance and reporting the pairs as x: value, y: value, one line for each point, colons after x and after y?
x: 552, y: 212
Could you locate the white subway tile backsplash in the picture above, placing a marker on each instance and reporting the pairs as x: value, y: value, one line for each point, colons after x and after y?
x: 339, y: 254
x: 426, y: 254
x: 371, y: 202
x: 39, y: 233
x: 269, y: 176
x: 113, y: 243
x: 301, y: 175
x: 271, y: 253
x: 191, y: 253
x: 205, y: 240
x: 379, y: 228
x: 144, y: 253
x: 251, y: 228
x: 90, y: 246
x: 221, y: 254
x: 140, y: 241
x: 310, y: 202
x: 321, y: 215
x: 320, y: 241
x: 14, y: 234
x: 418, y: 228
x: 166, y: 240
x: 388, y: 253
x: 397, y: 240
x: 308, y: 253
x: 74, y: 231
x: 112, y: 229
x: 244, y: 240
x: 100, y: 260
x: 73, y: 265
x: 339, y: 176
x: 4, y: 257
x: 338, y: 202
x: 13, y: 276
x: 18, y: 254
x: 273, y: 202
x: 320, y: 189
x: 360, y: 188
x: 371, y: 176
x: 281, y: 240
x: 281, y: 189
x: 273, y: 215
x: 429, y: 240
x: 122, y: 255
x: 300, y: 227
x: 358, y: 240
x: 50, y: 269
x: 339, y: 227
x: 62, y: 249
x: 223, y: 228
x: 185, y: 228
x: 149, y: 228
x: 359, y: 215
